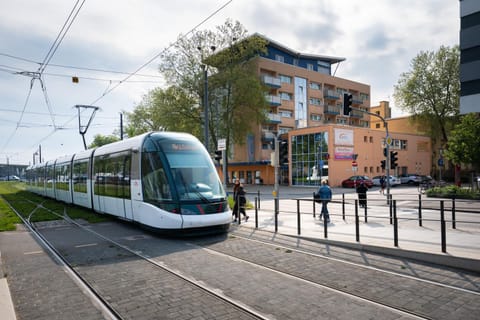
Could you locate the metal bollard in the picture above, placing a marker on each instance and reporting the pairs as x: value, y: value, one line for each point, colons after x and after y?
x: 343, y: 206
x: 442, y: 227
x: 390, y: 206
x: 257, y: 205
x: 395, y: 224
x: 298, y: 216
x: 420, y: 222
x: 258, y: 194
x: 365, y: 213
x: 357, y: 225
x: 454, y: 224
x: 325, y: 227
x: 314, y: 205
x: 276, y: 214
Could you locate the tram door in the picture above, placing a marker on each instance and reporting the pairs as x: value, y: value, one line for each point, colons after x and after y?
x: 112, y: 184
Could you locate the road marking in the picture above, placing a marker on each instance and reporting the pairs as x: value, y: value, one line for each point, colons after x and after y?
x: 86, y: 245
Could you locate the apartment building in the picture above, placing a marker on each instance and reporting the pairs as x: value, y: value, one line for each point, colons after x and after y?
x: 306, y: 115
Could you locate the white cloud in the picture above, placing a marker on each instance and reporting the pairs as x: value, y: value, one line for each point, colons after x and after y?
x: 378, y: 38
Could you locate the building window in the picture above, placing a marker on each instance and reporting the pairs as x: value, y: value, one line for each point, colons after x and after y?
x: 285, y: 96
x: 279, y: 58
x: 295, y: 62
x: 315, y: 101
x: 377, y: 125
x: 341, y: 120
x: 316, y: 117
x: 285, y: 79
x: 285, y: 113
x: 310, y: 66
x: 315, y: 86
x: 364, y: 138
x: 371, y: 139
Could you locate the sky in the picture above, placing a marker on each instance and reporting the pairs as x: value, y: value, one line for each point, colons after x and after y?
x: 114, y: 38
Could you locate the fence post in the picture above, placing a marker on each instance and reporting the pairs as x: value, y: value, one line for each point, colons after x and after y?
x: 420, y: 222
x: 357, y: 225
x: 343, y: 206
x: 390, y: 207
x: 395, y: 224
x: 314, y: 205
x: 276, y: 214
x: 325, y: 233
x: 258, y: 194
x: 239, y: 217
x: 454, y: 224
x: 365, y: 214
x: 442, y: 227
x: 257, y: 205
x: 298, y: 216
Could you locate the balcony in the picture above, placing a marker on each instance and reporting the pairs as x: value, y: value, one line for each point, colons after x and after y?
x: 273, y: 100
x: 268, y: 136
x: 356, y: 99
x: 331, y: 94
x: 329, y: 109
x: 273, y: 118
x: 356, y: 114
x: 271, y: 81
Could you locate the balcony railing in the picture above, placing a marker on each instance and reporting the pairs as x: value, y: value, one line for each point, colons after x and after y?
x: 271, y: 81
x: 331, y: 94
x: 356, y: 99
x: 273, y: 100
x: 329, y: 109
x: 268, y: 136
x: 356, y: 114
x: 274, y: 118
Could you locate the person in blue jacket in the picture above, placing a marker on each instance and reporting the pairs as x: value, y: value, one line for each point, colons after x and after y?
x: 325, y: 195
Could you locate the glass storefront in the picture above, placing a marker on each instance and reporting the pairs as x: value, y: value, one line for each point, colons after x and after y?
x: 309, y: 158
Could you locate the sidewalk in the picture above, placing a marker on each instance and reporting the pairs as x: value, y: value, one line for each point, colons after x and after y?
x: 377, y: 234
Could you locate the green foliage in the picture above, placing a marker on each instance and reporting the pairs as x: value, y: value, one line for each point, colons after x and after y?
x: 464, y: 141
x: 430, y: 91
x: 25, y: 203
x: 169, y: 109
x: 453, y: 191
x: 235, y: 94
x: 100, y: 140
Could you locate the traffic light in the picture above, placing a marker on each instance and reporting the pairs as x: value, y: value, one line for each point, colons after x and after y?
x: 347, y: 102
x: 283, y: 156
x: 393, y: 159
x: 385, y: 152
x: 383, y: 164
x: 218, y: 155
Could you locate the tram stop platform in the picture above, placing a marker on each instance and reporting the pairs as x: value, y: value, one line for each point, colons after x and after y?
x: 459, y: 247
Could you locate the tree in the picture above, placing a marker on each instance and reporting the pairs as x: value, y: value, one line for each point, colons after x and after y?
x: 430, y: 91
x: 100, y: 140
x: 464, y: 142
x: 165, y: 109
x: 235, y: 93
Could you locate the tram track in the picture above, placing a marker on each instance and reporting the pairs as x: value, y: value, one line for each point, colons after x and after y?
x: 109, y: 309
x: 236, y: 248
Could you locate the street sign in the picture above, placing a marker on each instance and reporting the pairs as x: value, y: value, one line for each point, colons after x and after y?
x: 388, y: 140
x: 440, y: 162
x: 222, y: 143
x: 354, y: 163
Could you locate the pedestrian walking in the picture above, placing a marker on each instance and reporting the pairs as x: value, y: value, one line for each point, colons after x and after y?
x: 242, y: 200
x: 324, y: 194
x: 236, y: 186
x: 362, y: 194
x: 382, y: 185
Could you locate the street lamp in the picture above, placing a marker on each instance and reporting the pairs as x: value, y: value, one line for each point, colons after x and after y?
x: 205, y: 94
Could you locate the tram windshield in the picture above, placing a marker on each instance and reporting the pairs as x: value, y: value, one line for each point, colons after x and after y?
x: 192, y: 173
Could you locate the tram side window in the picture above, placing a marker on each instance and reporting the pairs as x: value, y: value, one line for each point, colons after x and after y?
x: 50, y: 176
x: 154, y: 180
x: 112, y: 176
x: 80, y: 176
x: 62, y: 176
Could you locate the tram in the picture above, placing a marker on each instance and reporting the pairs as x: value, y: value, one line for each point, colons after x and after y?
x: 165, y: 181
